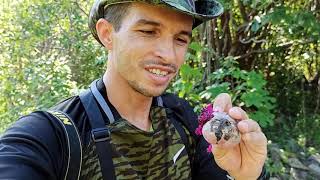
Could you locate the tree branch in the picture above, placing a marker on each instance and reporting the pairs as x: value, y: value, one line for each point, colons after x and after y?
x: 83, y: 11
x: 226, y: 31
x: 282, y: 46
x: 243, y: 11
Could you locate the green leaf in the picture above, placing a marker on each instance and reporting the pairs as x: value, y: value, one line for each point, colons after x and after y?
x: 196, y: 46
x: 255, y: 25
x: 255, y: 80
x: 216, y: 89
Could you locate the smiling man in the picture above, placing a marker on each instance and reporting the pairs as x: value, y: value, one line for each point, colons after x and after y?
x: 128, y: 127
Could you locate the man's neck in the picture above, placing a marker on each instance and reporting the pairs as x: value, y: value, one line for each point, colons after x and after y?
x: 131, y: 105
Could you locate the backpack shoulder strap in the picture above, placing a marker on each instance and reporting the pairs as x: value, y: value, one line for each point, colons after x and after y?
x: 175, y: 118
x: 176, y: 121
x: 73, y: 143
x: 182, y: 112
x: 184, y: 128
x: 99, y: 130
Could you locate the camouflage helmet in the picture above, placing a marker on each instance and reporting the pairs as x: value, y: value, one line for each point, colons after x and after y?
x: 200, y: 10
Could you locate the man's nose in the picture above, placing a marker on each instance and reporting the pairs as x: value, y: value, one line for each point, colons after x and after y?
x: 166, y: 50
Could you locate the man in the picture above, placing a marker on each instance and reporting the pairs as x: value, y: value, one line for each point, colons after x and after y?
x: 146, y: 43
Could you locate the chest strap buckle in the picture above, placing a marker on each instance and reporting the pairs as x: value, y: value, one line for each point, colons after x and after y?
x: 100, y: 134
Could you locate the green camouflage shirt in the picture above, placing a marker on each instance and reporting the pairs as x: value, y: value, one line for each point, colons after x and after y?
x: 138, y: 154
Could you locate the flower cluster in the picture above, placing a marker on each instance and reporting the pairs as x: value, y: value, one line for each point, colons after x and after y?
x: 206, y: 114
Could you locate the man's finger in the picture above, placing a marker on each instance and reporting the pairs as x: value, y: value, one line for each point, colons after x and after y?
x: 248, y: 125
x: 223, y: 102
x: 238, y: 114
x: 255, y: 138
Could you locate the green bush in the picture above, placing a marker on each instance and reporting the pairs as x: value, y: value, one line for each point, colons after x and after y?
x: 248, y: 89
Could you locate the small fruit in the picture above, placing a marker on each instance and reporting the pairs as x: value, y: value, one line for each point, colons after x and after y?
x: 221, y: 129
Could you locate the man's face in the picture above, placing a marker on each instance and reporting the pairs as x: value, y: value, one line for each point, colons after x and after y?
x: 150, y: 47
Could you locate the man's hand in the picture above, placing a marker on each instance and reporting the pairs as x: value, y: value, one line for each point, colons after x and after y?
x: 243, y: 161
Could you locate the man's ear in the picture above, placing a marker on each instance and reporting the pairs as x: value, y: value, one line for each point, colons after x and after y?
x: 104, y: 31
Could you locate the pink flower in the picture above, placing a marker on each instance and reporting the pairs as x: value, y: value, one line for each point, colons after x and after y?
x: 199, y: 130
x: 205, y: 115
x: 209, y: 148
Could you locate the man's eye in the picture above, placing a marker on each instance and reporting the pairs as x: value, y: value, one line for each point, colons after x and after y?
x: 182, y: 41
x: 148, y: 32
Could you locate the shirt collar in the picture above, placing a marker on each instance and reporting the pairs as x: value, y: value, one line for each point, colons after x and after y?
x: 102, y: 89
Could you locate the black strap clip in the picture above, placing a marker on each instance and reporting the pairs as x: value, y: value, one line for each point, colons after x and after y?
x: 100, y: 134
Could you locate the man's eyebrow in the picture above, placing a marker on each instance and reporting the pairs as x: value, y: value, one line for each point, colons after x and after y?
x: 147, y: 22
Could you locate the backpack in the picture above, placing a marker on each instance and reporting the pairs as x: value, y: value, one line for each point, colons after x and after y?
x: 74, y: 151
x: 91, y: 100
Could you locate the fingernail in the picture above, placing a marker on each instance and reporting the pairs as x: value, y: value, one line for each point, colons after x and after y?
x: 235, y: 113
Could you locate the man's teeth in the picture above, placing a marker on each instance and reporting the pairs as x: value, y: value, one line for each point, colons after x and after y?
x: 158, y: 72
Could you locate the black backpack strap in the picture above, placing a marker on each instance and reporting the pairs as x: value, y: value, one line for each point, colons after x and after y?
x: 100, y: 134
x: 73, y: 142
x: 101, y: 101
x: 176, y: 117
x: 176, y: 120
x: 175, y: 123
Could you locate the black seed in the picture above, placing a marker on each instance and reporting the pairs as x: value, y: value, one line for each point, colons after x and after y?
x: 218, y: 134
x: 227, y: 136
x: 228, y: 123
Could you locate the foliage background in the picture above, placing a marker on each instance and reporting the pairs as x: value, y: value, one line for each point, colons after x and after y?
x: 264, y: 53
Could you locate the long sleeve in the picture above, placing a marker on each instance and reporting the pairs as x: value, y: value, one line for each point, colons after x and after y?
x: 32, y: 148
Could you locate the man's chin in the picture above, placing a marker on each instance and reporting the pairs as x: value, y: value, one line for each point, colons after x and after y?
x: 147, y: 91
x: 152, y: 92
